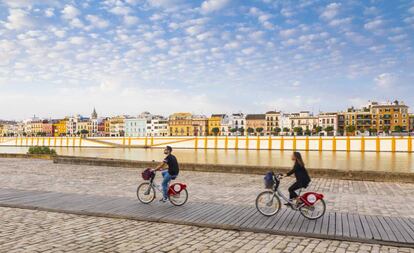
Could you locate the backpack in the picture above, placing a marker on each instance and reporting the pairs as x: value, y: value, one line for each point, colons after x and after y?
x: 268, y: 180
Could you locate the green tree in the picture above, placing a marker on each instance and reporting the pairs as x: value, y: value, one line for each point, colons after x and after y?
x: 350, y: 129
x: 84, y: 132
x: 277, y: 130
x: 386, y: 129
x: 286, y: 129
x: 241, y: 130
x: 233, y: 130
x: 318, y: 129
x: 398, y: 129
x: 250, y: 130
x: 308, y: 132
x: 298, y: 130
x: 259, y: 130
x: 329, y: 129
x: 215, y: 130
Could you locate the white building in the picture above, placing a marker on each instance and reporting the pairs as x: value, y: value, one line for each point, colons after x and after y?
x: 134, y: 127
x: 328, y: 119
x: 157, y: 126
x: 284, y: 122
x: 305, y: 120
x: 237, y: 121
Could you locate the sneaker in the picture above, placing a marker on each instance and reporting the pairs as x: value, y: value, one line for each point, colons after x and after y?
x: 163, y: 200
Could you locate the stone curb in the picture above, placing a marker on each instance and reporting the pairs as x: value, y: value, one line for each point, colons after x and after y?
x: 377, y: 176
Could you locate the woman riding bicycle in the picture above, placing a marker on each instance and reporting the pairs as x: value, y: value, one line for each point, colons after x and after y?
x: 302, y: 176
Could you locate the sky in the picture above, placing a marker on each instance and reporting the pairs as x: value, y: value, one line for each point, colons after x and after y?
x: 61, y: 58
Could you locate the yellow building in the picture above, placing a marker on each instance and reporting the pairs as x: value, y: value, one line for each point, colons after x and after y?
x: 411, y: 122
x: 1, y: 130
x: 180, y: 124
x: 117, y: 126
x: 360, y: 119
x: 60, y: 128
x: 34, y: 128
x: 272, y: 122
x: 390, y: 116
x: 215, y: 122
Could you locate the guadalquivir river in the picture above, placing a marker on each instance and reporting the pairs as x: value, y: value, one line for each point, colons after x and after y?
x: 368, y: 161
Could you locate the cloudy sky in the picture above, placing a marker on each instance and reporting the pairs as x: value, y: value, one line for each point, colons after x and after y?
x: 203, y: 56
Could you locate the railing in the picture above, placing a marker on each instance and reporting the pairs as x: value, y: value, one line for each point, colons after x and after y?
x: 300, y: 143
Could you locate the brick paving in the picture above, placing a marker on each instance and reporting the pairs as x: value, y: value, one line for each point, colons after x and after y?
x: 372, y: 198
x: 38, y: 231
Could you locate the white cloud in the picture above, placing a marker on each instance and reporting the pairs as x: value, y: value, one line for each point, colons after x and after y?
x: 77, y: 40
x: 130, y: 20
x: 213, y: 5
x: 397, y: 38
x: 121, y: 10
x: 97, y: 22
x: 70, y: 12
x: 385, y: 80
x: 60, y: 33
x: 19, y: 19
x: 249, y: 50
x: 373, y: 25
x: 232, y: 45
x: 287, y: 33
x: 49, y: 12
x: 340, y: 22
x: 330, y: 11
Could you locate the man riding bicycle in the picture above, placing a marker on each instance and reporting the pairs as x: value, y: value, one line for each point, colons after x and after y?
x: 169, y: 161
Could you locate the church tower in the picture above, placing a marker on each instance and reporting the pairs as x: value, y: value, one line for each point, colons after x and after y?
x: 94, y: 114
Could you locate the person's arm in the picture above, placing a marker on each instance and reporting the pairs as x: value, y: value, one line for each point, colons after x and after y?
x: 292, y: 171
x: 160, y: 166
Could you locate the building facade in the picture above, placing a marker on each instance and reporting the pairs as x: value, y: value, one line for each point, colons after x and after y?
x: 200, y: 125
x: 411, y: 117
x: 135, y: 127
x: 328, y: 120
x: 272, y: 122
x: 255, y: 124
x: 117, y: 126
x: 180, y: 124
x: 389, y: 116
x: 237, y: 124
x: 304, y: 120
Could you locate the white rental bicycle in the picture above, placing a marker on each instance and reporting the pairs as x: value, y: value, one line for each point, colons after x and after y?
x: 311, y: 204
x: 177, y: 192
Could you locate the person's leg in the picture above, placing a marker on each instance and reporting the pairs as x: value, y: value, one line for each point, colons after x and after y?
x: 165, y: 183
x: 292, y: 194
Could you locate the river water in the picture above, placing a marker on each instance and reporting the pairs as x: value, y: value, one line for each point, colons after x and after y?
x: 368, y: 161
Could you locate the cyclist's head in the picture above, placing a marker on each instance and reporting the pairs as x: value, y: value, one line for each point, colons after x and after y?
x: 297, y: 157
x: 168, y: 150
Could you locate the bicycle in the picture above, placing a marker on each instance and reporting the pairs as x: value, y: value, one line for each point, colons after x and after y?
x: 177, y: 192
x: 311, y: 204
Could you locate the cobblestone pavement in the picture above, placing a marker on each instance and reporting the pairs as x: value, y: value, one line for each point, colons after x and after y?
x: 391, y: 199
x: 37, y: 231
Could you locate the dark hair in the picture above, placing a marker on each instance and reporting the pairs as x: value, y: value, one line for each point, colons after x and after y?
x: 169, y: 148
x: 299, y: 159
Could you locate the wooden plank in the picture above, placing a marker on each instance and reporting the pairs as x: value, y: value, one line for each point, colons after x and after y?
x: 345, y: 225
x: 287, y: 221
x: 408, y: 233
x: 366, y: 227
x: 325, y: 224
x: 387, y: 228
x: 274, y: 219
x: 338, y: 225
x: 352, y: 226
x: 397, y: 232
x: 296, y: 219
x: 234, y: 211
x: 373, y: 228
x: 246, y: 216
x: 221, y: 211
x: 208, y: 212
x: 332, y: 224
x: 358, y: 225
x: 382, y: 232
x: 232, y: 219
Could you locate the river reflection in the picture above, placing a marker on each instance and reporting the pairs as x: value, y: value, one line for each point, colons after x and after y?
x: 398, y: 162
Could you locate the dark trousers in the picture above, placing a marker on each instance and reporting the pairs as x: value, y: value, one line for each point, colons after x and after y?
x: 295, y: 186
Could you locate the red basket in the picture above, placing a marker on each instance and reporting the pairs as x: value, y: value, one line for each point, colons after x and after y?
x: 146, y: 174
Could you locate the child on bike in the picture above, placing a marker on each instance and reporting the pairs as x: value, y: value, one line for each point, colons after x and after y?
x: 301, y: 175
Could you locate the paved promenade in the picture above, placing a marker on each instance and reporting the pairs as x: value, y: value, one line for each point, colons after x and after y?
x: 30, y: 230
x: 370, y: 198
x: 341, y: 226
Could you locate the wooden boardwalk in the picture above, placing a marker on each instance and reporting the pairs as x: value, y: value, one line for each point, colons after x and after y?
x: 395, y: 231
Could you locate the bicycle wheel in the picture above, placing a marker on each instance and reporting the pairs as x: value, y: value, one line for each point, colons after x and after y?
x: 145, y: 193
x: 179, y: 199
x: 314, y: 212
x: 268, y: 203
